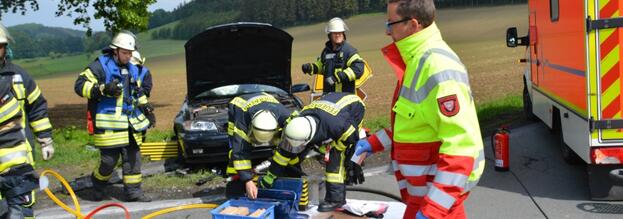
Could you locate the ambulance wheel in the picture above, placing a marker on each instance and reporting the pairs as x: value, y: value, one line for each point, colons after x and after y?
x: 527, y: 103
x: 568, y: 154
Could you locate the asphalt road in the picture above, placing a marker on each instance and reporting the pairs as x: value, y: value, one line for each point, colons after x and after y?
x: 539, y: 185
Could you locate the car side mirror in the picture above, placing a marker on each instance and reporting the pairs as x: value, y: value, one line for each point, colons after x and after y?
x: 512, y: 40
x: 511, y: 37
x: 297, y: 88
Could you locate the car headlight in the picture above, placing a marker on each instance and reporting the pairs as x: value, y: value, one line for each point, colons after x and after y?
x: 201, y: 126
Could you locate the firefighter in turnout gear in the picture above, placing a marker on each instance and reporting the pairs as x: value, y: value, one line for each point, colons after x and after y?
x: 112, y: 84
x: 333, y: 120
x: 21, y: 105
x: 254, y: 120
x: 339, y: 62
x: 146, y: 83
x: 435, y: 142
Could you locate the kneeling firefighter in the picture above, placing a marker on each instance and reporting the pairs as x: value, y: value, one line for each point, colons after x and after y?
x: 21, y: 102
x: 254, y: 120
x: 334, y: 119
x: 112, y: 86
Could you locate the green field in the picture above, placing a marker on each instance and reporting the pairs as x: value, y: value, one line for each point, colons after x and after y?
x: 476, y: 35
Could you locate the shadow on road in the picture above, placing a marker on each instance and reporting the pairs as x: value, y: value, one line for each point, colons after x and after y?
x: 538, y: 166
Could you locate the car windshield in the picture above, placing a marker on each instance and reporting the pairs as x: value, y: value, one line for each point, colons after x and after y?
x: 240, y: 89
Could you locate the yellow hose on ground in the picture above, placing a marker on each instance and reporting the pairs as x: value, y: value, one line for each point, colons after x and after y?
x: 58, y: 202
x: 79, y: 215
x: 178, y: 208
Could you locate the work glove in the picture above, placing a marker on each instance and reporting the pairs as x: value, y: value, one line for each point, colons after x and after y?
x: 420, y: 215
x: 363, y: 146
x: 330, y: 80
x: 148, y: 110
x: 112, y: 89
x: 354, y: 173
x: 307, y: 68
x: 267, y: 181
x: 47, y: 149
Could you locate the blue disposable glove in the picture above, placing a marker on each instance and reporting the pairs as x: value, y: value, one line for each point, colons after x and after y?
x: 419, y: 215
x: 363, y: 146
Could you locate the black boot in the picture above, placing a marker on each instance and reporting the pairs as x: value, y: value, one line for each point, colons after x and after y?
x: 99, y: 194
x: 138, y: 198
x: 330, y: 206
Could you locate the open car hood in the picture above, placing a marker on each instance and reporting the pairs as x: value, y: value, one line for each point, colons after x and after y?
x: 238, y: 53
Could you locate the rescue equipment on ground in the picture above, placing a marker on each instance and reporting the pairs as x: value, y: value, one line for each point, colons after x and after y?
x: 500, y: 144
x: 44, y: 184
x: 159, y: 150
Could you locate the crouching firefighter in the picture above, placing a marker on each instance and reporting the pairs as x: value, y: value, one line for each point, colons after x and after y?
x: 254, y: 120
x: 21, y: 102
x: 333, y: 120
x: 110, y: 84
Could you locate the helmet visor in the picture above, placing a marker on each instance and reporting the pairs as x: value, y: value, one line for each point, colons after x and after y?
x: 296, y: 142
x: 263, y: 136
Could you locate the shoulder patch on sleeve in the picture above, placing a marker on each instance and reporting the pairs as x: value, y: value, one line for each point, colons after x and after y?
x: 449, y: 105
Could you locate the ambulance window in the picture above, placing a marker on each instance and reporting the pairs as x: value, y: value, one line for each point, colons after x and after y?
x: 553, y: 10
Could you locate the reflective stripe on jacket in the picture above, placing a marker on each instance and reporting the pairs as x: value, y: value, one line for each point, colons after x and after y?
x: 344, y: 64
x: 437, y: 150
x: 113, y: 113
x: 339, y: 119
x: 33, y: 105
x: 113, y: 116
x: 240, y: 112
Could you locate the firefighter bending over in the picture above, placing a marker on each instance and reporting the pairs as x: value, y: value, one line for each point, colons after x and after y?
x: 254, y: 120
x: 333, y: 120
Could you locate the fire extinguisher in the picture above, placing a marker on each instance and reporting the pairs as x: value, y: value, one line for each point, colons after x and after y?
x: 500, y: 144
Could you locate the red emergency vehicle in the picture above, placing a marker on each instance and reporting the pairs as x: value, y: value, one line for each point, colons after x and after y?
x: 573, y: 81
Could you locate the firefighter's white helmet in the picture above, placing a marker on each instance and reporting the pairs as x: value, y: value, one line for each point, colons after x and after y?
x: 125, y: 40
x: 5, y: 37
x: 300, y: 131
x: 264, y: 126
x: 336, y: 24
x: 137, y: 59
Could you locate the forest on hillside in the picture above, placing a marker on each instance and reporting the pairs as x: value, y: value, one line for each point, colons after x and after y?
x: 198, y: 15
x: 36, y: 40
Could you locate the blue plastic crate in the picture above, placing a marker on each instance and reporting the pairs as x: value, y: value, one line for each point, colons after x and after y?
x: 287, y: 207
x: 296, y: 185
x: 252, y: 205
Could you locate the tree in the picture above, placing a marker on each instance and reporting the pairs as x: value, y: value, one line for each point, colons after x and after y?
x: 117, y: 15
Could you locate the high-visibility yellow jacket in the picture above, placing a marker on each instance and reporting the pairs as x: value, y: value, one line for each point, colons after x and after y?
x: 437, y: 149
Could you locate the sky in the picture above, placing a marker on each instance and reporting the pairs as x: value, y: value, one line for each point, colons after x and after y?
x: 46, y: 15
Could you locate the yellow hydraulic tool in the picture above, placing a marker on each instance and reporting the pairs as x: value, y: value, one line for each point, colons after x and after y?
x: 159, y: 150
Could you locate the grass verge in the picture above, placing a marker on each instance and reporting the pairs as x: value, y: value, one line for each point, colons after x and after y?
x: 70, y: 145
